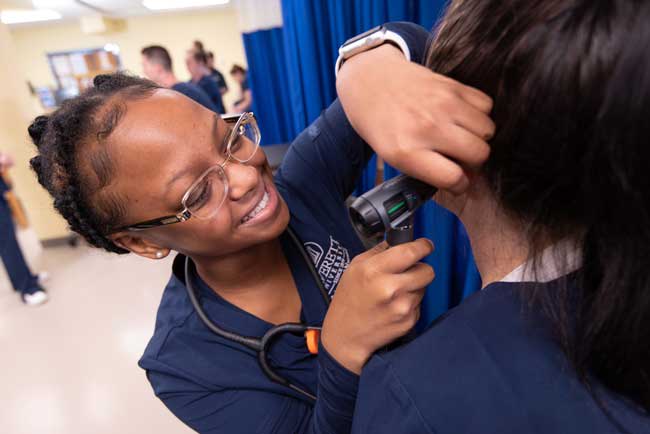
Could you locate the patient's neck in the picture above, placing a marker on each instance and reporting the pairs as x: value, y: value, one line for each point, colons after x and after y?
x: 498, y: 242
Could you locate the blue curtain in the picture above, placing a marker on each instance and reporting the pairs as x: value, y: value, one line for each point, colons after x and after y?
x: 295, y: 82
x: 267, y: 77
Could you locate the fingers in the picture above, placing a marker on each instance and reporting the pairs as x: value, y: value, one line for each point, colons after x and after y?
x: 400, y: 258
x: 437, y: 170
x: 374, y: 251
x: 474, y: 121
x: 416, y: 278
x: 464, y: 146
x: 405, y: 311
x: 476, y: 98
x: 473, y: 96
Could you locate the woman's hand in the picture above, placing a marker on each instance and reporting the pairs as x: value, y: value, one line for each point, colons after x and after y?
x: 424, y: 124
x: 376, y: 302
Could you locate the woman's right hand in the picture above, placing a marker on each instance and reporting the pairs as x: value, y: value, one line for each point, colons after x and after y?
x: 424, y: 124
x: 376, y: 302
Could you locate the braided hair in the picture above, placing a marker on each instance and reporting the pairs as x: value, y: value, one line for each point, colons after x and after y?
x: 63, y: 140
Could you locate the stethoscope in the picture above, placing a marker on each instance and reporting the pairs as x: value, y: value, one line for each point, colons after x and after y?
x: 261, y: 345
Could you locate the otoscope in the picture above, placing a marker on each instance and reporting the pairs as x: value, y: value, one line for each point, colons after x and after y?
x: 389, y: 208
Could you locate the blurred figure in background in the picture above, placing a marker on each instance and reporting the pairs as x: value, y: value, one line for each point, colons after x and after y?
x: 157, y: 66
x: 197, y: 65
x: 22, y: 279
x: 245, y: 101
x: 216, y: 74
x: 198, y: 46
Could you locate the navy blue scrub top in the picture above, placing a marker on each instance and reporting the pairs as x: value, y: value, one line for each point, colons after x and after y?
x: 217, y: 386
x: 194, y: 92
x: 211, y: 88
x: 489, y: 366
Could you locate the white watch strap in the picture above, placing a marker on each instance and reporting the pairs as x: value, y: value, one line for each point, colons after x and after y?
x: 369, y: 42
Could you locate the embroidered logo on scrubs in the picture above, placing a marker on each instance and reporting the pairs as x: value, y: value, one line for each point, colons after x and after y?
x: 330, y: 265
x: 315, y: 251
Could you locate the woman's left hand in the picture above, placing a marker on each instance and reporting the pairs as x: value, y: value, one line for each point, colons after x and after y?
x: 424, y: 124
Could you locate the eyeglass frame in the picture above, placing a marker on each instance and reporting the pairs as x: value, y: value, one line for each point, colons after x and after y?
x: 186, y: 214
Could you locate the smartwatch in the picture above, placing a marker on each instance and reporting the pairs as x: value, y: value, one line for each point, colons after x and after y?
x: 367, y: 41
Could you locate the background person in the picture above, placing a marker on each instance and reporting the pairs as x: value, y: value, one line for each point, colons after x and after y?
x: 245, y: 100
x: 216, y: 74
x: 157, y: 66
x: 558, y: 340
x: 196, y: 62
x: 22, y: 279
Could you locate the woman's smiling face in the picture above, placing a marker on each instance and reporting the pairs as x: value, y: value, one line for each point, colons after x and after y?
x: 159, y: 147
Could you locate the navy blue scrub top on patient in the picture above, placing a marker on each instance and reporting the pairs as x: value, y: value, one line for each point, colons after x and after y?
x: 489, y: 366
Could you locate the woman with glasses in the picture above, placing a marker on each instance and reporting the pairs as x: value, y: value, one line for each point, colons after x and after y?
x: 136, y: 168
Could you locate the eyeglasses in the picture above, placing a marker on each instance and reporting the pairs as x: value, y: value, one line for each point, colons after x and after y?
x: 207, y: 194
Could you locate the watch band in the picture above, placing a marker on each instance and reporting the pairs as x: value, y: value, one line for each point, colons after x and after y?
x: 368, y: 40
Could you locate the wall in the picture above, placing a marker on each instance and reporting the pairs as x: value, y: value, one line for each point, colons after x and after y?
x: 23, y: 57
x: 16, y: 110
x: 218, y: 29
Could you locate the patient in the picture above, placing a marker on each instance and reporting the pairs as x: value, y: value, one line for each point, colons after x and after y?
x: 558, y: 340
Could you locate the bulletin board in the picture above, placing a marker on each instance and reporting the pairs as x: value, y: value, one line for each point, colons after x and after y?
x: 74, y: 70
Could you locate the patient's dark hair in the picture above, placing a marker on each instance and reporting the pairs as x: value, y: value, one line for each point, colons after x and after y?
x: 73, y: 162
x: 570, y: 159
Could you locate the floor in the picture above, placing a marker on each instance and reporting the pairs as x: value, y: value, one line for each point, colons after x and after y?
x: 70, y: 366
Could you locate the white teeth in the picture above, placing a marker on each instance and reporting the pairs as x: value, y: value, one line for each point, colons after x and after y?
x: 258, y: 209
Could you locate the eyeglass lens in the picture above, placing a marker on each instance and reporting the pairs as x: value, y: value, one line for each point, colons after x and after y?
x: 207, y: 196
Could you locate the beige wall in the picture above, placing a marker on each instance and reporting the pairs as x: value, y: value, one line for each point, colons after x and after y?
x: 23, y: 57
x: 218, y: 29
x: 16, y: 110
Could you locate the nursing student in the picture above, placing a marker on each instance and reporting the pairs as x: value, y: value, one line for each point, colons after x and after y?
x: 558, y: 340
x: 24, y: 281
x: 260, y: 251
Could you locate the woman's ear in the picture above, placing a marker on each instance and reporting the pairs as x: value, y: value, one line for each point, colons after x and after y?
x: 138, y: 245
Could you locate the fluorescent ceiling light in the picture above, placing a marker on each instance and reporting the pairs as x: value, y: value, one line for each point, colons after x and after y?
x: 17, y: 16
x: 157, y: 5
x: 51, y: 4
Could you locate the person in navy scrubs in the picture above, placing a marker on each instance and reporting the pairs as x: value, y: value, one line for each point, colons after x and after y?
x: 196, y: 62
x: 245, y: 100
x: 558, y: 340
x: 137, y: 187
x: 157, y: 66
x: 23, y: 280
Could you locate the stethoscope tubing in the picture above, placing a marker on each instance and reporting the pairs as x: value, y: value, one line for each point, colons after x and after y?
x: 259, y: 345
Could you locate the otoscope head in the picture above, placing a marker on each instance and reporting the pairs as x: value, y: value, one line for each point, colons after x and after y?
x: 365, y: 218
x: 389, y: 205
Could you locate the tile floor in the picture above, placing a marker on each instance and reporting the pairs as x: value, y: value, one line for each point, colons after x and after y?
x: 69, y: 366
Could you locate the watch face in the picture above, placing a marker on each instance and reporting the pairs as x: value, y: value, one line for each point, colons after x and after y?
x: 363, y: 35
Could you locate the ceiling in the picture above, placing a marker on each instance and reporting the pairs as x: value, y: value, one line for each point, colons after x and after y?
x: 72, y: 9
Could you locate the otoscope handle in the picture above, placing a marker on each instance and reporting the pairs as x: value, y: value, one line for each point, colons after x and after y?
x: 400, y: 235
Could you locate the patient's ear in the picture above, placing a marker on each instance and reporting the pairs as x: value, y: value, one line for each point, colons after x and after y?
x: 139, y: 245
